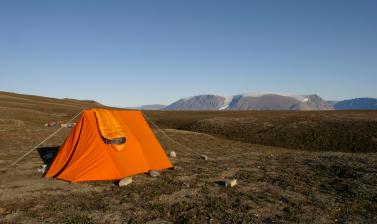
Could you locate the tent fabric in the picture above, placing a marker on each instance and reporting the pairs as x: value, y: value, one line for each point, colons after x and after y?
x: 110, y: 126
x: 84, y: 156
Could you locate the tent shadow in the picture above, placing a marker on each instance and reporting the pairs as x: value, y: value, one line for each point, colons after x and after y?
x: 48, y: 154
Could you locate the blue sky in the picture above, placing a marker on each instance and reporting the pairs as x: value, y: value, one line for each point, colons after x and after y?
x: 128, y: 53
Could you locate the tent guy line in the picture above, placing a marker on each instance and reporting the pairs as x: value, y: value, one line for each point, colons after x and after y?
x: 5, y: 170
x: 35, y: 147
x: 168, y: 137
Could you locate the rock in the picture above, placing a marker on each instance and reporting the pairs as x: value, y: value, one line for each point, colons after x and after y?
x: 204, y: 157
x: 63, y: 125
x: 154, y: 173
x: 231, y: 183
x: 228, y: 183
x: 172, y: 154
x: 51, y: 124
x: 71, y: 125
x: 42, y: 169
x: 125, y: 181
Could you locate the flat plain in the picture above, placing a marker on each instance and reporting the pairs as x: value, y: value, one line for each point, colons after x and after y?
x: 291, y: 167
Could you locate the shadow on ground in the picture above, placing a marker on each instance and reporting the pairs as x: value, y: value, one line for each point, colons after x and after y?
x: 48, y: 154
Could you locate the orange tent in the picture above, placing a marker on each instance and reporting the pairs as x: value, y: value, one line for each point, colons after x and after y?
x: 86, y: 156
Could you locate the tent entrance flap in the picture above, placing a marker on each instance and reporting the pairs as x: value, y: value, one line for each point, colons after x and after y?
x: 110, y: 128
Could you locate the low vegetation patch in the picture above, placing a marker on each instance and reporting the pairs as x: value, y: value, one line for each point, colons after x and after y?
x: 346, y: 131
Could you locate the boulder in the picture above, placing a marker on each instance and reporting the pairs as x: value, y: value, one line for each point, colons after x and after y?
x: 227, y: 183
x: 154, y: 173
x: 42, y: 169
x: 71, y: 125
x: 125, y: 181
x: 231, y: 183
x: 204, y: 157
x: 51, y: 124
x: 172, y: 154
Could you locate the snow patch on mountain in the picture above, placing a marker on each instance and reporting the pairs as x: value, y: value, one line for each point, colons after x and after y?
x: 227, y: 101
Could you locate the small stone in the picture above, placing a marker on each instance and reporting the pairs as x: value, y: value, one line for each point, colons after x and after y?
x: 71, y: 125
x: 154, y: 173
x: 125, y: 181
x: 204, y: 157
x: 258, y: 167
x: 42, y: 169
x: 231, y: 183
x: 172, y: 154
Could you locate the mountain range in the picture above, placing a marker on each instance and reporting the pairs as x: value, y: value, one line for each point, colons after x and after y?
x: 265, y: 101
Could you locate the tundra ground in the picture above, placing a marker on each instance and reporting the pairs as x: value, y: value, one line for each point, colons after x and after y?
x: 290, y: 182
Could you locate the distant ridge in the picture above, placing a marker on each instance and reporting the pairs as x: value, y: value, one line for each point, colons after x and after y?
x: 152, y: 107
x: 251, y: 101
x: 357, y: 104
x: 43, y: 99
x: 247, y: 101
x: 201, y: 102
x: 265, y: 101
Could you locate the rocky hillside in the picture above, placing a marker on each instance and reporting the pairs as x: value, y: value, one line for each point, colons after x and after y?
x: 201, y: 102
x: 313, y: 102
x: 252, y: 101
